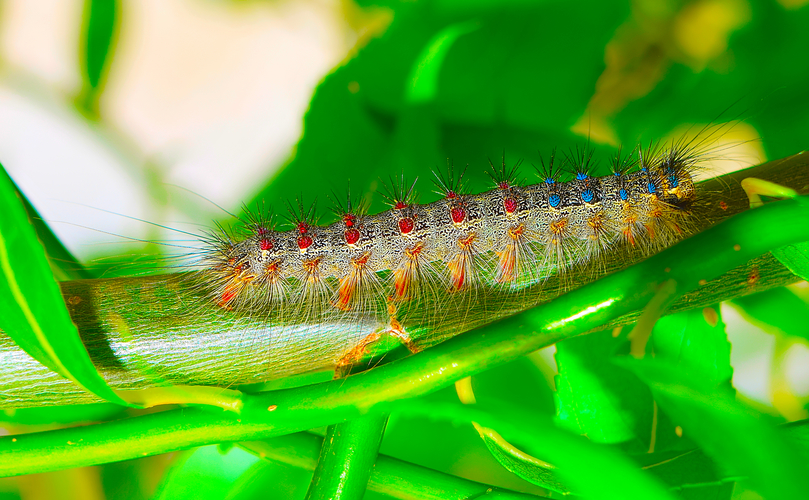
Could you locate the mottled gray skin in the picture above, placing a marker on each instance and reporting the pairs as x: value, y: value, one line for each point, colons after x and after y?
x: 509, y: 238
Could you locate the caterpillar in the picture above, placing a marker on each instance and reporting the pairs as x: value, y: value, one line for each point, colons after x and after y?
x: 457, y: 262
x: 261, y: 302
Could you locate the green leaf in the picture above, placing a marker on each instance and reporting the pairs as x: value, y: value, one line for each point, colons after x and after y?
x: 34, y: 313
x: 533, y: 68
x: 445, y: 83
x: 596, y: 398
x: 519, y: 385
x: 424, y: 80
x: 522, y: 464
x: 691, y: 472
x: 700, y: 349
x: 205, y: 473
x: 736, y: 437
x: 99, y: 24
x: 593, y: 470
x: 63, y: 264
x: 762, y: 51
x: 777, y: 308
x: 795, y: 258
x: 695, y: 342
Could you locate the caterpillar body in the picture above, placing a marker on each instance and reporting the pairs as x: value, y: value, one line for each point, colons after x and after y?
x: 453, y: 264
x: 261, y: 303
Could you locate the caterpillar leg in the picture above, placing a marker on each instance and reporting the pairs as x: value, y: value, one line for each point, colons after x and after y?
x: 358, y: 352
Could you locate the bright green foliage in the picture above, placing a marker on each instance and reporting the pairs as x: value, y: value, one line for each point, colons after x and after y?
x: 595, y: 471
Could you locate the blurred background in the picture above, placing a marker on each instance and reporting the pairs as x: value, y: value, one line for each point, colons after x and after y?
x: 172, y: 111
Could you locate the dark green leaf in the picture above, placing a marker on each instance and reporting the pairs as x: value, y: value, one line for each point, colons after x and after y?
x: 767, y: 44
x: 700, y: 349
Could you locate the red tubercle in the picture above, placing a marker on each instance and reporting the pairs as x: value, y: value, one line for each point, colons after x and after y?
x: 510, y: 204
x: 349, y: 220
x: 451, y: 195
x: 406, y: 225
x: 352, y: 236
x: 262, y: 231
x: 400, y: 205
x: 265, y: 244
x: 303, y: 228
x: 304, y: 242
x: 458, y: 214
x: 503, y: 185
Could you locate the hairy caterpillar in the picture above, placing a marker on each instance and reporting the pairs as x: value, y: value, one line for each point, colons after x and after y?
x: 457, y: 262
x: 252, y: 312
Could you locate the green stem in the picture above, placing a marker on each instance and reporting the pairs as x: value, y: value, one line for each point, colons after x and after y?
x: 389, y: 476
x: 347, y: 458
x: 703, y: 257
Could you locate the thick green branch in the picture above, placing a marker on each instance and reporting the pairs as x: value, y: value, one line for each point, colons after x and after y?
x: 160, y: 330
x: 703, y: 257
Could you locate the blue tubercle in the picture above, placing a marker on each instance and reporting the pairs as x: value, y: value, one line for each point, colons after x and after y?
x: 623, y: 194
x: 674, y: 181
x: 587, y: 195
x: 580, y: 176
x: 548, y: 180
x: 554, y: 200
x: 652, y: 188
